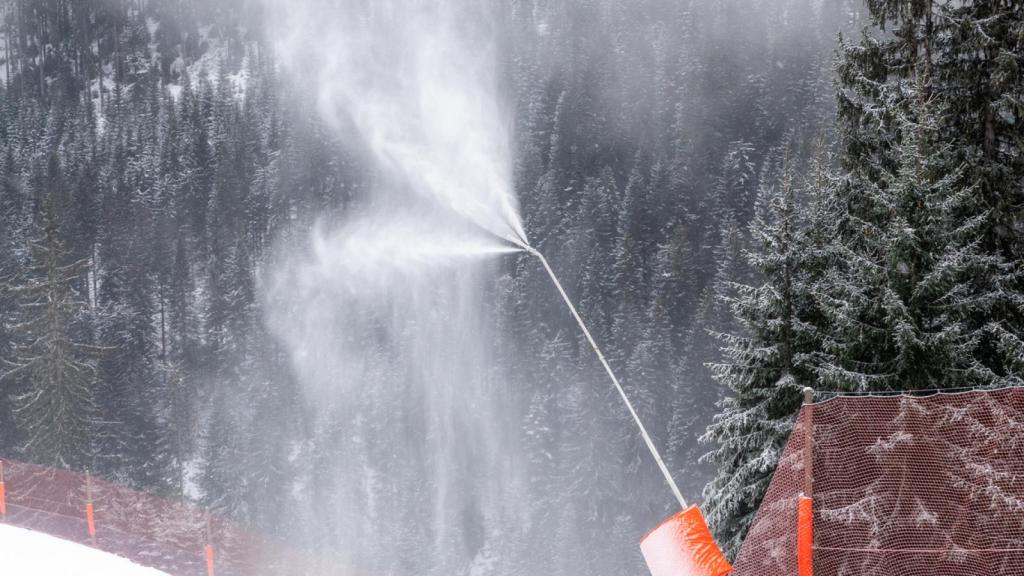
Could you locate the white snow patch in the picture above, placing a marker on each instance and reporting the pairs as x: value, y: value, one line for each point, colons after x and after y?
x: 190, y: 480
x: 924, y: 516
x: 240, y: 80
x: 209, y: 63
x: 28, y: 553
x: 175, y: 91
x: 894, y: 440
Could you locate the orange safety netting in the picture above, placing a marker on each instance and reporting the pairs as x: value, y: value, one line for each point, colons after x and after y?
x: 151, y: 531
x: 902, y: 486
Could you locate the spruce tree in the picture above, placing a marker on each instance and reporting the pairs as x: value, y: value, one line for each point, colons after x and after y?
x: 912, y: 273
x: 962, y: 58
x: 12, y: 210
x: 767, y: 363
x: 130, y: 393
x: 57, y: 413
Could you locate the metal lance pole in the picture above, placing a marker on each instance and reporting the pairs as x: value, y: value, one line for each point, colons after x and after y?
x: 615, y: 381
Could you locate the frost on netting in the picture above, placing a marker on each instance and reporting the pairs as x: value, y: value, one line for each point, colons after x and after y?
x: 907, y: 486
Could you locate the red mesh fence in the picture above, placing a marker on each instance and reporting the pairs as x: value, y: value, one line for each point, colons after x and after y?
x: 903, y: 486
x: 151, y: 531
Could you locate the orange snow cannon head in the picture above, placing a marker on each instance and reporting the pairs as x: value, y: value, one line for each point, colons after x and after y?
x: 683, y: 546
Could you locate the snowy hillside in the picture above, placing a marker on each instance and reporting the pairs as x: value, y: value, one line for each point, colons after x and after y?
x: 28, y: 553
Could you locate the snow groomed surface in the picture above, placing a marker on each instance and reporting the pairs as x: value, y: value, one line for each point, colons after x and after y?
x: 29, y: 553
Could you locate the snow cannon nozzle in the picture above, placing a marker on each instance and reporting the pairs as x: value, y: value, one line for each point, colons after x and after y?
x: 513, y: 240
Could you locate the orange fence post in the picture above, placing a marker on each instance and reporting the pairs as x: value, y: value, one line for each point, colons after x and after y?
x: 3, y: 493
x: 805, y: 537
x: 805, y: 506
x: 90, y: 519
x: 209, y: 547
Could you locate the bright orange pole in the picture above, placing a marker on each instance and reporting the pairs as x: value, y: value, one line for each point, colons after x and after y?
x: 90, y: 519
x: 209, y: 547
x: 3, y: 492
x: 805, y: 505
x: 209, y: 560
x: 805, y: 537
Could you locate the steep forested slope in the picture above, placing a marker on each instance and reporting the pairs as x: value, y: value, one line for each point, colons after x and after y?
x: 153, y: 159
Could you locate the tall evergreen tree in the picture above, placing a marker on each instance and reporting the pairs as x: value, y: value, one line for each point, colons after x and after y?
x: 767, y: 364
x: 57, y: 412
x: 912, y: 274
x: 963, y: 58
x: 12, y: 240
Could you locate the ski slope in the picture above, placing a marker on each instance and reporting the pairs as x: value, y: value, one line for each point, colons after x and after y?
x: 28, y: 553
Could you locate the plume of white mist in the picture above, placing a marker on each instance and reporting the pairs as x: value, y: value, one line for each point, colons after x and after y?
x: 379, y: 251
x: 417, y: 80
x: 362, y: 269
x: 386, y: 314
x: 386, y: 320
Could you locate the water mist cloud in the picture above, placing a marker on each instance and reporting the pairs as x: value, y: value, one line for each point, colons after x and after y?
x: 354, y: 279
x: 387, y: 315
x: 417, y: 81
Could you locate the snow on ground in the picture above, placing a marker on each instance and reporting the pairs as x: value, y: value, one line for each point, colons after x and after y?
x: 28, y: 553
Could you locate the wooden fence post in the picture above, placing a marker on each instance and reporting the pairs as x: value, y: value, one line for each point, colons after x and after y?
x: 808, y: 442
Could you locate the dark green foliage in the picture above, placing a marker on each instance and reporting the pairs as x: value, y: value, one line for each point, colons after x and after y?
x: 768, y: 360
x: 902, y: 270
x: 133, y: 208
x: 641, y: 131
x: 50, y: 364
x: 958, y: 64
x: 912, y: 277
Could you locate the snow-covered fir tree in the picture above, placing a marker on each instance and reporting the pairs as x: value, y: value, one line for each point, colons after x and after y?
x: 912, y: 272
x: 909, y: 274
x: 768, y: 361
x: 958, y: 57
x: 188, y: 157
x: 56, y: 413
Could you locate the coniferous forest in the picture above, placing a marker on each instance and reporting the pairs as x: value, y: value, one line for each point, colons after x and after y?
x: 745, y: 197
